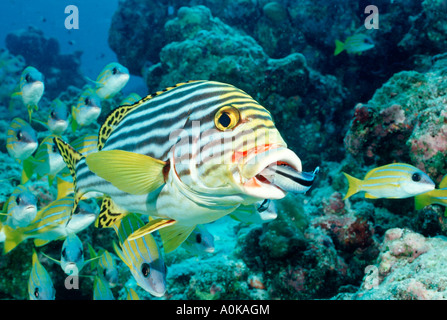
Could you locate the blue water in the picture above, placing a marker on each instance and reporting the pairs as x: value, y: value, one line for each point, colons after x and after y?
x: 91, y: 37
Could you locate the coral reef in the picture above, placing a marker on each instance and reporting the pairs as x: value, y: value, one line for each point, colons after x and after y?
x: 59, y: 70
x: 404, y: 121
x: 409, y: 267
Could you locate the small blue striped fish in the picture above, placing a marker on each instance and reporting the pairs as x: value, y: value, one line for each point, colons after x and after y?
x: 142, y: 256
x: 50, y: 224
x: 21, y: 207
x: 46, y: 161
x: 101, y: 290
x: 58, y: 117
x: 21, y: 140
x: 392, y: 181
x: 187, y: 155
x: 111, y: 80
x: 105, y: 265
x: 40, y: 285
x: 87, y: 109
x: 31, y: 89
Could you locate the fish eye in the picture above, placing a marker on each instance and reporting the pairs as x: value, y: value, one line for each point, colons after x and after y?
x: 28, y: 77
x: 87, y: 101
x: 416, y: 177
x: 53, y: 114
x: 18, y: 200
x: 145, y: 270
x: 114, y: 70
x: 227, y: 118
x: 198, y: 238
x: 36, y: 292
x: 19, y: 135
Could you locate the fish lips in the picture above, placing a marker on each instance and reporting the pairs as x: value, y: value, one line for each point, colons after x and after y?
x: 254, y: 184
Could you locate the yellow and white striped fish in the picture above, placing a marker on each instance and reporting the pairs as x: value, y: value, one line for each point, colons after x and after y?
x: 40, y: 285
x: 58, y: 117
x: 187, y: 155
x: 392, y: 181
x: 142, y: 255
x: 86, y: 144
x: 31, y: 88
x: 51, y: 223
x: 21, y: 140
x: 21, y: 207
x: 87, y: 109
x: 46, y: 161
x: 111, y: 80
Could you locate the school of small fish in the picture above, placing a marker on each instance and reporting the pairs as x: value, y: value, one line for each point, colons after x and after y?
x: 170, y: 162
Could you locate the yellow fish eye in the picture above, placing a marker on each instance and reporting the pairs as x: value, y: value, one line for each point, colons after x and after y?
x: 227, y: 118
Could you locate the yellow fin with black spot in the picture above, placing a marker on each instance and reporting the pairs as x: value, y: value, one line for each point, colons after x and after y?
x: 71, y: 158
x: 128, y: 171
x: 109, y: 214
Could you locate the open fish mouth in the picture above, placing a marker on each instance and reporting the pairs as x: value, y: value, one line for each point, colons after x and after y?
x: 273, y: 173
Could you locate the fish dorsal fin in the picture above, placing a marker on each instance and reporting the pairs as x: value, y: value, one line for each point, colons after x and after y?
x: 109, y: 214
x: 118, y: 114
x: 71, y: 158
x: 130, y: 172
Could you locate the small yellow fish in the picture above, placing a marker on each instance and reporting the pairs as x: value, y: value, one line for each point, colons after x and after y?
x: 46, y: 161
x: 142, y: 256
x: 356, y: 43
x: 50, y: 224
x: 31, y: 89
x: 21, y: 140
x: 87, y: 110
x: 105, y: 265
x: 21, y: 207
x: 40, y: 285
x: 392, y: 181
x: 101, y: 290
x: 111, y: 80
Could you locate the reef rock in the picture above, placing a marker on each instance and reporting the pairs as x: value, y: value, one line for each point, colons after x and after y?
x: 409, y: 267
x: 404, y: 121
x: 59, y: 70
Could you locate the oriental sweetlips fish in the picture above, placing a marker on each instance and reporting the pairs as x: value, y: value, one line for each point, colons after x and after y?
x: 187, y: 155
x: 392, y: 181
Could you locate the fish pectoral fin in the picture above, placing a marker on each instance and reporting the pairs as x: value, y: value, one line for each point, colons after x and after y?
x: 151, y: 226
x: 51, y: 258
x: 173, y: 236
x: 370, y: 196
x: 41, y: 242
x: 109, y: 214
x: 128, y: 171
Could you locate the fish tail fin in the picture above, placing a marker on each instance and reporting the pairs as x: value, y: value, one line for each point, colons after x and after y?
x: 109, y: 215
x: 12, y: 239
x: 339, y: 47
x: 421, y: 201
x: 354, y: 185
x: 28, y: 166
x: 71, y: 158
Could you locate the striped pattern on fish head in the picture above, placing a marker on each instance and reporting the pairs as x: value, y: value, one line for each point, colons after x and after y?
x: 226, y: 142
x: 21, y: 140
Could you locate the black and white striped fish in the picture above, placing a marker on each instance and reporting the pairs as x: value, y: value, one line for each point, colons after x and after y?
x: 187, y: 155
